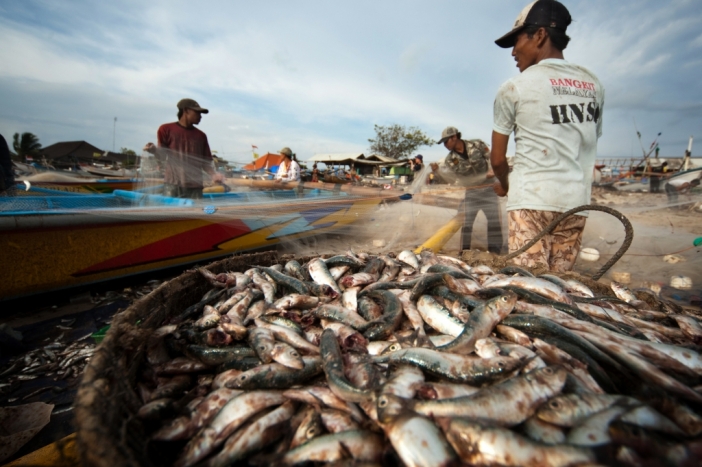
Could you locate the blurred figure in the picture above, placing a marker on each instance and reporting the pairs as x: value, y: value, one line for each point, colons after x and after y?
x: 7, y: 172
x: 315, y: 173
x: 417, y: 164
x: 677, y: 186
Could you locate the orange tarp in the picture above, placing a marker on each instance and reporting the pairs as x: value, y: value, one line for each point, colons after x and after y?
x: 268, y: 160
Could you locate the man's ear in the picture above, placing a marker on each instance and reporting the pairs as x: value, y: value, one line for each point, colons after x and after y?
x: 541, y: 37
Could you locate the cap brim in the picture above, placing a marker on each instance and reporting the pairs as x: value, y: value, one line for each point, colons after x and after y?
x: 507, y: 41
x: 442, y: 140
x: 201, y: 110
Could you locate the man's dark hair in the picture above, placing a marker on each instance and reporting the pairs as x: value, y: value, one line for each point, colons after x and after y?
x: 559, y: 38
x: 180, y: 113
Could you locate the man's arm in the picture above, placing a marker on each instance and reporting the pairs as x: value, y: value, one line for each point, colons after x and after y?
x: 498, y: 161
x: 209, y: 165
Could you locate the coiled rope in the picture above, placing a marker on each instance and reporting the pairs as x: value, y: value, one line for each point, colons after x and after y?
x: 629, y: 235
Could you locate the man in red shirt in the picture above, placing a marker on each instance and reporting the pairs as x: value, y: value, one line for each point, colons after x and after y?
x: 185, y: 153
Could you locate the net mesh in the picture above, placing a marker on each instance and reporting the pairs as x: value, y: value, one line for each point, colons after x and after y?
x: 324, y: 218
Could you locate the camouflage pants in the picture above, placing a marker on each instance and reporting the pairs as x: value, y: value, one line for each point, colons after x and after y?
x: 558, y: 250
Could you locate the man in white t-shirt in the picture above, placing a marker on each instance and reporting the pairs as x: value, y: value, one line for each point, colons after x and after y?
x: 294, y: 170
x: 289, y: 169
x: 554, y: 109
x: 284, y: 166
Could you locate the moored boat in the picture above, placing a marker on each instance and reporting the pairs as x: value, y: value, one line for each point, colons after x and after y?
x: 57, y: 240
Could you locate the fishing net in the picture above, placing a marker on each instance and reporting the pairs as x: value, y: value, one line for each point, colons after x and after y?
x: 108, y: 432
x: 136, y: 228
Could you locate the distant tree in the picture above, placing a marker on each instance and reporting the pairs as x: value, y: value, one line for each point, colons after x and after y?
x: 26, y: 145
x: 131, y: 161
x: 398, y: 142
x: 127, y: 151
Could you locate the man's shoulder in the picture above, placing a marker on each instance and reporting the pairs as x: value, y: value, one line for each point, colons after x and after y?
x: 169, y: 126
x: 563, y: 68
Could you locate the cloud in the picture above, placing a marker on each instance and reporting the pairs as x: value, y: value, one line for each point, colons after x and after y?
x: 318, y: 76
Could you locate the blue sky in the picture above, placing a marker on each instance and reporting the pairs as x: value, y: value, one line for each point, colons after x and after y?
x: 316, y: 76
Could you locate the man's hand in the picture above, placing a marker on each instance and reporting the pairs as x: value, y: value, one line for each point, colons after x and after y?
x: 217, y: 177
x: 499, y: 189
x: 150, y: 148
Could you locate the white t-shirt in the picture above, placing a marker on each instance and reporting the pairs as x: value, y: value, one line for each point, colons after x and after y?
x: 678, y: 182
x: 555, y: 110
x: 282, y: 173
x: 293, y: 172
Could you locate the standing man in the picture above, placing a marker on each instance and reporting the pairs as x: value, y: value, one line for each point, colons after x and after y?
x: 656, y: 171
x: 185, y: 153
x: 554, y: 109
x: 285, y: 165
x: 467, y: 165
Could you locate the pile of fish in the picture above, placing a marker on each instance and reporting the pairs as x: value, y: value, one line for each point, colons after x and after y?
x: 421, y: 360
x: 57, y: 359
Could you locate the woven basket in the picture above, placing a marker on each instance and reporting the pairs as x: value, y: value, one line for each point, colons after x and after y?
x: 108, y: 432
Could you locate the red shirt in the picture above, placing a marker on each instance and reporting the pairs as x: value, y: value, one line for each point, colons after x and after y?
x: 188, y: 156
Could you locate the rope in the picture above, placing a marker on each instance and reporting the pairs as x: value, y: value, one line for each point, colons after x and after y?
x: 629, y: 232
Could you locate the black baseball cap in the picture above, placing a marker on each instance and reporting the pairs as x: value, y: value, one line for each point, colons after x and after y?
x: 546, y: 13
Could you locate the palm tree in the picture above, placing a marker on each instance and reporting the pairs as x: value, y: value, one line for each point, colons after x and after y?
x: 26, y: 145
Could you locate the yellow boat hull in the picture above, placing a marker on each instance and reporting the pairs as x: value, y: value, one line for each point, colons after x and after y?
x: 52, y: 252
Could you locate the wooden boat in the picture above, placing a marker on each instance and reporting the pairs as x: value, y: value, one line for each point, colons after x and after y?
x: 62, y: 240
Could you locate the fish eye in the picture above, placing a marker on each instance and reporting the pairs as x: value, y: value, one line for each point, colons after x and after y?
x: 311, y: 432
x: 262, y: 347
x: 548, y: 370
x: 395, y: 347
x: 243, y: 377
x: 382, y: 402
x: 555, y: 404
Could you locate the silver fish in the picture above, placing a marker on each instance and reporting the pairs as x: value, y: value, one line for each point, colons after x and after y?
x: 478, y: 444
x: 321, y: 275
x: 438, y: 317
x: 310, y: 427
x: 361, y: 445
x: 416, y: 439
x: 287, y: 355
x: 508, y: 403
x: 255, y: 436
x: 230, y: 417
x: 408, y: 257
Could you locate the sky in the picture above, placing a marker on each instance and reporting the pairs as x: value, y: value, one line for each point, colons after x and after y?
x: 318, y: 75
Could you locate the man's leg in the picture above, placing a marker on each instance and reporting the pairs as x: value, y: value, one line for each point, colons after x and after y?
x: 470, y: 211
x: 170, y: 190
x: 523, y: 226
x: 191, y: 193
x: 491, y: 209
x: 566, y: 239
x: 672, y: 193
